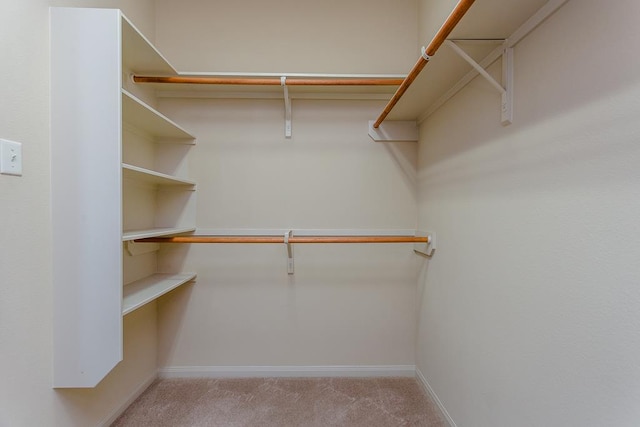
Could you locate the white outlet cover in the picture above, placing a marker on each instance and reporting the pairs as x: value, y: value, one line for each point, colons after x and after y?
x: 10, y: 157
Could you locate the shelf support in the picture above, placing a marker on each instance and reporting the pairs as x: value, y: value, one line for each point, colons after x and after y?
x: 507, y: 78
x: 426, y: 249
x: 135, y: 248
x: 287, y: 107
x: 287, y: 236
x: 394, y: 130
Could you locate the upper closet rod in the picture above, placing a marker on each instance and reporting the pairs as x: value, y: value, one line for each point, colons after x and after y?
x: 275, y: 81
x: 291, y: 239
x: 458, y: 12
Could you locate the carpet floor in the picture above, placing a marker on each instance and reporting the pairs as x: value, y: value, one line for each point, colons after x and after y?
x: 283, y: 402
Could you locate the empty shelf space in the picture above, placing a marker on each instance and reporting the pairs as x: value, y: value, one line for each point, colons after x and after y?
x: 152, y: 177
x: 140, y: 115
x: 143, y: 291
x: 139, y: 55
x: 154, y: 232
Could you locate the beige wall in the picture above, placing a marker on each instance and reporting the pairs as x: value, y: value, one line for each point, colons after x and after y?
x: 336, y: 36
x: 345, y: 305
x: 26, y: 397
x: 529, y: 310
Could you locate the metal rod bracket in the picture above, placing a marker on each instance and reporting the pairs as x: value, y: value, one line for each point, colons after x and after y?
x: 394, y: 130
x: 288, y: 235
x: 507, y: 79
x: 134, y: 248
x: 287, y: 107
x: 427, y: 249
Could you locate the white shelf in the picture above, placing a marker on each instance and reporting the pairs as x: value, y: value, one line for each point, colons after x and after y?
x: 140, y: 115
x: 154, y: 232
x: 143, y: 291
x: 488, y: 20
x: 153, y: 177
x: 139, y: 55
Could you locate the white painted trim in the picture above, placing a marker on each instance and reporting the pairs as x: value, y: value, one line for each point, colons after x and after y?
x: 286, y: 371
x: 110, y: 419
x: 429, y: 390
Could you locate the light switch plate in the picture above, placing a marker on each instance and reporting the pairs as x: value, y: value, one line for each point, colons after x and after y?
x: 10, y: 157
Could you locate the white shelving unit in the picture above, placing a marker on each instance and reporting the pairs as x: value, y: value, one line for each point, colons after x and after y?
x: 119, y: 172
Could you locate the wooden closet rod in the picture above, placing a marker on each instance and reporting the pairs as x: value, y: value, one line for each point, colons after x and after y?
x: 280, y: 239
x: 270, y: 81
x: 456, y: 15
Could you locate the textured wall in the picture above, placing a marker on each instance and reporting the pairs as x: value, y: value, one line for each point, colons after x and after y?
x: 529, y: 309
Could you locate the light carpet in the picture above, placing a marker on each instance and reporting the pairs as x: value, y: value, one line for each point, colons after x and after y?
x: 283, y: 402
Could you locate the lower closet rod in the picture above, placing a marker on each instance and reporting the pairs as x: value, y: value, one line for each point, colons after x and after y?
x: 281, y: 239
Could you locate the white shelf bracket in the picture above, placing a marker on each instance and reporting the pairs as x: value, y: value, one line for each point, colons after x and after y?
x: 287, y: 107
x: 426, y: 249
x: 507, y: 78
x: 288, y: 235
x: 394, y: 130
x: 135, y: 249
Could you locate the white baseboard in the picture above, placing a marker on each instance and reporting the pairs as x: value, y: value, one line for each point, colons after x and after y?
x: 427, y: 388
x: 133, y: 396
x: 286, y: 371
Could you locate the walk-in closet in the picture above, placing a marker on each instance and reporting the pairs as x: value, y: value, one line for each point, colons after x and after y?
x: 414, y: 212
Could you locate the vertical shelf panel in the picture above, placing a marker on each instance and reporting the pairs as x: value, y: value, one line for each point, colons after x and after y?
x: 86, y: 194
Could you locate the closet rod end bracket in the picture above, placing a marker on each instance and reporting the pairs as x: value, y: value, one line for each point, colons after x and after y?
x: 394, y: 131
x: 427, y: 249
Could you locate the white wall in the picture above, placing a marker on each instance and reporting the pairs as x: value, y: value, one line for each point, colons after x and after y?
x: 529, y: 310
x: 26, y: 397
